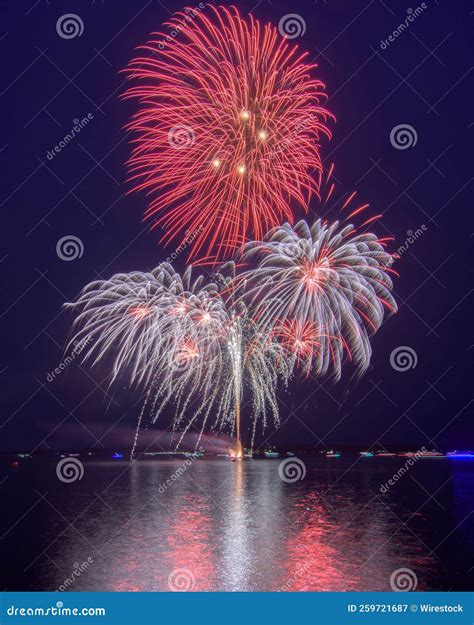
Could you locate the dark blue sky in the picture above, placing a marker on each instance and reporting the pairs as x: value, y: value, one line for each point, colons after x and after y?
x: 421, y: 79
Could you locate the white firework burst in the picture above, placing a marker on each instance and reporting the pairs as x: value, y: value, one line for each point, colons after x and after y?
x: 184, y: 341
x: 326, y: 280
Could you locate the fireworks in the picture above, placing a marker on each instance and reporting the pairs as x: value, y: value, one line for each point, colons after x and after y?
x: 312, y: 298
x: 226, y: 146
x: 302, y: 343
x: 185, y: 343
x: 228, y: 129
x: 148, y: 320
x: 329, y: 284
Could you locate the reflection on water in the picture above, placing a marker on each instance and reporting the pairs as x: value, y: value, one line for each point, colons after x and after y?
x: 237, y: 526
x: 311, y: 562
x: 188, y: 541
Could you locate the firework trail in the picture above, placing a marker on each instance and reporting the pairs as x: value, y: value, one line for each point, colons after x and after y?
x: 227, y: 131
x: 190, y: 347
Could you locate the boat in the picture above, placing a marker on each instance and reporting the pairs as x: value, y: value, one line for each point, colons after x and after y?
x: 460, y: 454
x: 385, y: 454
x: 366, y: 454
x: 271, y: 454
x: 233, y: 455
x: 117, y: 456
x: 432, y: 454
x: 421, y: 454
x: 333, y: 454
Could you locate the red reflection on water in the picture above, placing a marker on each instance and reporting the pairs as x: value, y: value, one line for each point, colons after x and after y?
x: 344, y: 550
x: 189, y: 541
x: 312, y: 563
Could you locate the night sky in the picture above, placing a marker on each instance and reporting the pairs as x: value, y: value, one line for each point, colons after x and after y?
x: 421, y: 78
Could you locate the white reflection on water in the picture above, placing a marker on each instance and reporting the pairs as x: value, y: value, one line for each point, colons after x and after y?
x: 237, y: 526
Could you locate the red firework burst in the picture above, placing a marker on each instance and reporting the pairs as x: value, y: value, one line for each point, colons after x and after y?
x: 228, y: 129
x: 303, y: 340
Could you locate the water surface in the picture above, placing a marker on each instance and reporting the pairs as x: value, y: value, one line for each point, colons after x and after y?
x: 237, y: 526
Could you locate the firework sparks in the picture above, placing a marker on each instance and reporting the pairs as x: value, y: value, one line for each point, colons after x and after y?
x: 314, y: 297
x: 183, y: 341
x: 228, y: 129
x: 302, y: 341
x: 329, y: 284
x: 227, y: 138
